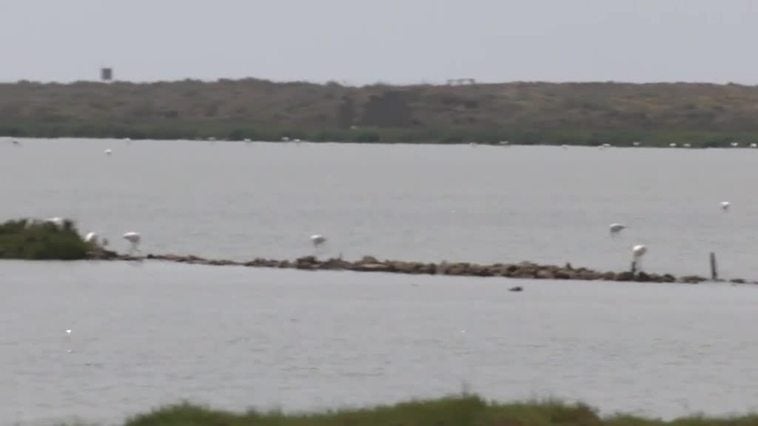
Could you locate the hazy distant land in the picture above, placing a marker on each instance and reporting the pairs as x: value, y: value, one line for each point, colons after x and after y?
x: 520, y: 112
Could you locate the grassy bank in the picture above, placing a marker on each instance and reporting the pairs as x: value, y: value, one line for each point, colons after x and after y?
x: 41, y: 240
x: 454, y: 411
x: 520, y: 112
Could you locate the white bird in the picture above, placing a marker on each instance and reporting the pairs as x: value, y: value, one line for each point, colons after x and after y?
x: 725, y: 205
x: 635, y: 144
x: 91, y: 238
x: 68, y: 331
x: 615, y: 228
x: 672, y: 145
x: 754, y: 145
x: 317, y: 239
x: 108, y: 151
x: 686, y: 145
x: 134, y: 238
x: 57, y: 221
x: 637, y: 252
x: 503, y: 143
x: 735, y: 144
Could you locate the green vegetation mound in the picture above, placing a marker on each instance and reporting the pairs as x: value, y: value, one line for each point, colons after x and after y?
x: 453, y: 411
x: 41, y: 240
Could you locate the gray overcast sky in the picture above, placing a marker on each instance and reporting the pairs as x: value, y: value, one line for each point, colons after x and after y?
x: 395, y: 41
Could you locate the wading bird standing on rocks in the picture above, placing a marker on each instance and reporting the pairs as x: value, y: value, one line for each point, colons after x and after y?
x: 637, y: 252
x: 134, y: 239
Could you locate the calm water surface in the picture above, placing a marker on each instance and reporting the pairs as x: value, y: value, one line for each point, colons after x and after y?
x: 152, y: 333
x: 481, y: 203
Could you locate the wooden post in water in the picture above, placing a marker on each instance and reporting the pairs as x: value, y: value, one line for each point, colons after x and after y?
x: 714, y: 267
x: 634, y: 266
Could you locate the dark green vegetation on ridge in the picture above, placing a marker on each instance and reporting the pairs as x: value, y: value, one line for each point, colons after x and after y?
x: 41, y: 240
x: 523, y: 113
x: 453, y: 411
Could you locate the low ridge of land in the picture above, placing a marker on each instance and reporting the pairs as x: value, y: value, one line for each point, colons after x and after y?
x: 519, y: 112
x: 463, y: 410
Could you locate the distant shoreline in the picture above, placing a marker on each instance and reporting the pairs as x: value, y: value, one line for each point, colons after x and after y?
x: 521, y: 113
x: 462, y: 410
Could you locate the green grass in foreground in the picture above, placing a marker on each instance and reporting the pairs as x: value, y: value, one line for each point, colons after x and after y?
x: 451, y: 411
x: 39, y: 240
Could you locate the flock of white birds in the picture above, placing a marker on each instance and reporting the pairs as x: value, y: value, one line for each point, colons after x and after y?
x: 639, y: 250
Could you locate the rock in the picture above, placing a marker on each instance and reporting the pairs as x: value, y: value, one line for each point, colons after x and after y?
x: 691, y: 279
x: 307, y: 262
x: 737, y: 281
x: 368, y: 259
x: 456, y: 269
x: 625, y: 276
x: 516, y: 289
x: 545, y: 274
x: 428, y: 268
x: 371, y: 267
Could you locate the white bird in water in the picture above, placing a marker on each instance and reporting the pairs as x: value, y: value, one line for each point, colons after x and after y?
x: 725, y: 205
x: 635, y: 144
x: 616, y: 228
x: 687, y: 145
x: 672, y: 145
x: 735, y: 144
x: 108, y: 151
x: 318, y: 239
x: 68, y: 331
x: 134, y: 238
x: 754, y: 145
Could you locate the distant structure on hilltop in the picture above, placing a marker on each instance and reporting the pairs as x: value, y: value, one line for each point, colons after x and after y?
x: 460, y: 81
x: 106, y: 74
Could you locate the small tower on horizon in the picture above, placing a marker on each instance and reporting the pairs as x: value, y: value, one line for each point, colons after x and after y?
x: 106, y: 74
